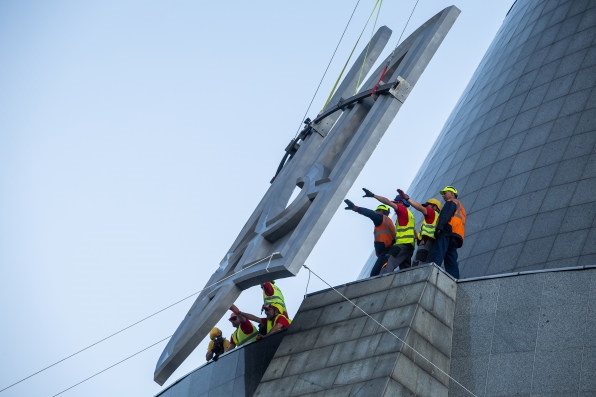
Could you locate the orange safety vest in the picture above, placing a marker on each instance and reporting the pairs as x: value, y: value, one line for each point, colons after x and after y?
x: 385, y: 232
x: 458, y: 220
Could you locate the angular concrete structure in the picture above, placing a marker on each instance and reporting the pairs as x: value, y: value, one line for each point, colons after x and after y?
x: 349, y: 341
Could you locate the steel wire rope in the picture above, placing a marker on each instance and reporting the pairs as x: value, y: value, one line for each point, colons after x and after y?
x: 367, y: 48
x: 167, y: 337
x: 350, y: 57
x: 390, y: 332
x: 136, y: 323
x: 390, y: 57
x: 327, y: 69
x: 111, y: 366
x: 402, y: 32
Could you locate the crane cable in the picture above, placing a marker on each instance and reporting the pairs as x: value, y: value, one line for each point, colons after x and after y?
x: 367, y: 48
x: 350, y: 56
x: 327, y: 69
x: 390, y: 57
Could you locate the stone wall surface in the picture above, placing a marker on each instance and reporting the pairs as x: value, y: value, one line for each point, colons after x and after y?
x: 526, y: 335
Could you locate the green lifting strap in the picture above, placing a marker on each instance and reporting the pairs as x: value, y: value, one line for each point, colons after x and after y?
x: 367, y: 48
x: 351, y: 53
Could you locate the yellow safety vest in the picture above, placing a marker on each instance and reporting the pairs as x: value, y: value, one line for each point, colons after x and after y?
x: 277, y: 297
x: 239, y: 337
x: 270, y: 323
x: 405, y: 234
x: 428, y: 229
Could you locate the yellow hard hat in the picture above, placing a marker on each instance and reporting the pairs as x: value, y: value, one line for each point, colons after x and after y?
x: 279, y: 307
x: 449, y: 189
x: 435, y: 202
x: 215, y: 332
x: 382, y: 207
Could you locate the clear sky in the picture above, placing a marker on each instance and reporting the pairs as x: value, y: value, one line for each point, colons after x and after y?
x: 137, y: 137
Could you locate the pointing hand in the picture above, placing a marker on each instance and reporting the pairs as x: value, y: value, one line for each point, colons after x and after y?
x: 403, y: 194
x: 350, y: 205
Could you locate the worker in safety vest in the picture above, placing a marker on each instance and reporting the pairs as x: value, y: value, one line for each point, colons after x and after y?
x: 400, y: 255
x: 274, y: 322
x: 272, y: 294
x: 384, y: 232
x: 425, y: 237
x: 245, y: 331
x: 449, y: 233
x: 217, y: 345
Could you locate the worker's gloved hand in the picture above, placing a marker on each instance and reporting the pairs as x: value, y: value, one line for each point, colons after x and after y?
x: 438, y: 233
x: 368, y: 193
x: 350, y: 205
x: 403, y: 195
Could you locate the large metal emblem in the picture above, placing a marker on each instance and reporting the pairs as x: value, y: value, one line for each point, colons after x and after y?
x: 323, y: 162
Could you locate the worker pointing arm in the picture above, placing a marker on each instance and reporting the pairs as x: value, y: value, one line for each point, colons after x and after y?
x: 384, y: 232
x: 426, y: 233
x: 401, y: 253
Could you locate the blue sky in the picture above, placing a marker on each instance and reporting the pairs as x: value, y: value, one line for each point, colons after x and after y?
x: 136, y: 138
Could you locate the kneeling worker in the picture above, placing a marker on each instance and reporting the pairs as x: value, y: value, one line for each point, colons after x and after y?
x: 217, y: 345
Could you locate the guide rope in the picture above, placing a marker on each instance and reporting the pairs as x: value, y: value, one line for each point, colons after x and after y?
x: 138, y: 322
x: 390, y: 57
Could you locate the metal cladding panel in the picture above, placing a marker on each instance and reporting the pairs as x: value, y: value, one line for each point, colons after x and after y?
x: 520, y: 146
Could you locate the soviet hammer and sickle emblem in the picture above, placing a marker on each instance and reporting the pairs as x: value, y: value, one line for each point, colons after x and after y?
x: 324, y: 163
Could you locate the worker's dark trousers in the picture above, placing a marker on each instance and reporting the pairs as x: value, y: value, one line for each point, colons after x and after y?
x: 400, y: 258
x: 445, y: 250
x: 381, y: 260
x: 423, y: 251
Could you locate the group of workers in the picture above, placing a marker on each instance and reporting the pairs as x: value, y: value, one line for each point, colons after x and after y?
x: 245, y: 331
x: 439, y: 236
